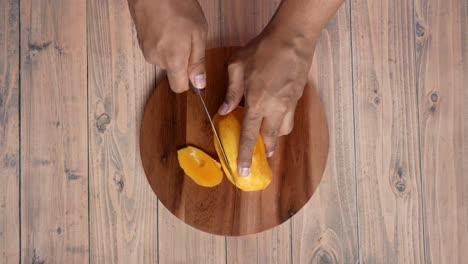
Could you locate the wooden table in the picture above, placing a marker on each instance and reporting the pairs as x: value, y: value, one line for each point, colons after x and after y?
x: 392, y: 76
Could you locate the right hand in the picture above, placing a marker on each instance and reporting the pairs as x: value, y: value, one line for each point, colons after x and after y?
x: 172, y: 35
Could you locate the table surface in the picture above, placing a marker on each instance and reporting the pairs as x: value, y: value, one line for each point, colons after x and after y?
x: 392, y: 75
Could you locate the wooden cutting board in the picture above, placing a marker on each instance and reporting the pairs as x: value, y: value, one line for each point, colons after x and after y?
x: 172, y: 121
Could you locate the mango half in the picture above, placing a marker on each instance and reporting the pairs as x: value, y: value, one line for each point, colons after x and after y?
x: 205, y: 171
x: 229, y: 129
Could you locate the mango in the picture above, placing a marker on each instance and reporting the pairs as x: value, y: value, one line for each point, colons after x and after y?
x: 229, y: 129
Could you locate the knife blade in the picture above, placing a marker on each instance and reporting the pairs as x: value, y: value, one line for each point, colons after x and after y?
x: 215, y: 133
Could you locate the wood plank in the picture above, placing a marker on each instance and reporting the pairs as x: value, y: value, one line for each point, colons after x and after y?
x: 54, y: 160
x: 274, y: 245
x: 123, y: 209
x: 181, y: 243
x: 387, y: 162
x: 9, y: 132
x: 326, y: 229
x: 178, y: 242
x: 441, y: 29
x: 238, y: 22
x: 213, y: 17
x: 240, y: 250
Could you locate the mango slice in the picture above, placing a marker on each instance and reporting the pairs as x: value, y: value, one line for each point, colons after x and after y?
x: 229, y: 128
x: 200, y: 167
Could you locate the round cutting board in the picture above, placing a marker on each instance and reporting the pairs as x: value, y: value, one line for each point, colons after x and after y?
x: 172, y: 121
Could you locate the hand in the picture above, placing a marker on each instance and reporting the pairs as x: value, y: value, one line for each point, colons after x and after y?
x: 271, y: 73
x: 172, y: 35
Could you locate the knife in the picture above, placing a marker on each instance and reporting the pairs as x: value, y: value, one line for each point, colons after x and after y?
x: 215, y: 133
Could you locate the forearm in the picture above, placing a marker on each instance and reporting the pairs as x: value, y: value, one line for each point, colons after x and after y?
x: 302, y: 20
x: 131, y: 7
x: 137, y: 16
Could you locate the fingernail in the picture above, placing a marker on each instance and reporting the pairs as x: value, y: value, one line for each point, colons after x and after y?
x: 200, y: 81
x: 244, y: 172
x: 223, y: 108
x: 270, y: 154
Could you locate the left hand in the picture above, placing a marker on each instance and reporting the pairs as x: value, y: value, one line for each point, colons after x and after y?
x: 271, y: 73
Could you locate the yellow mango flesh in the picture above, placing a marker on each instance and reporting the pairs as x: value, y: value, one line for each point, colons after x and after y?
x: 229, y: 128
x: 200, y: 167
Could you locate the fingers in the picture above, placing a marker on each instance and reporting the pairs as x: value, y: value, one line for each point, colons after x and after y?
x: 192, y: 67
x: 249, y: 132
x: 178, y: 79
x: 288, y: 120
x: 270, y: 132
x: 235, y: 89
x: 196, y: 65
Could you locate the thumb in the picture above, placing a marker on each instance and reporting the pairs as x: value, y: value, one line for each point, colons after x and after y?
x: 235, y: 89
x: 196, y: 67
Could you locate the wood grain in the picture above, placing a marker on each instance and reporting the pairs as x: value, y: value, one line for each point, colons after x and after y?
x: 240, y: 250
x: 213, y: 16
x: 274, y: 245
x: 54, y: 167
x: 179, y: 243
x: 186, y: 244
x: 325, y: 231
x: 123, y: 210
x: 237, y: 22
x: 388, y: 172
x: 441, y: 30
x: 9, y: 132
